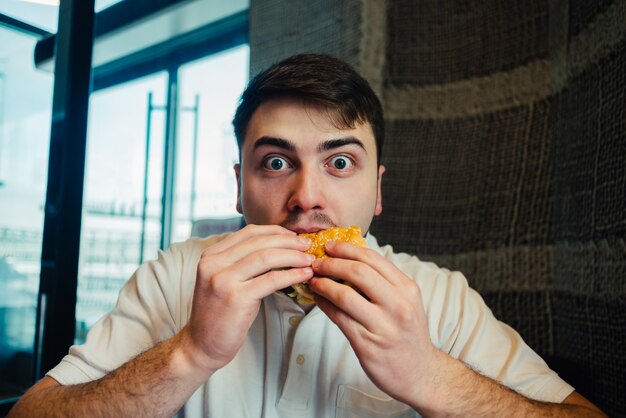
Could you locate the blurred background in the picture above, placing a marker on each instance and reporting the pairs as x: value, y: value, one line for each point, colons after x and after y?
x: 505, y: 154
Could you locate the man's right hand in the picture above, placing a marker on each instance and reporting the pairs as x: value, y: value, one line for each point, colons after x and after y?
x: 233, y: 276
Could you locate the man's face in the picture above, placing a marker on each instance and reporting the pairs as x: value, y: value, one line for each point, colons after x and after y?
x: 299, y: 171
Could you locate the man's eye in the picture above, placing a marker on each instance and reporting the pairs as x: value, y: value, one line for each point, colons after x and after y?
x: 341, y: 162
x: 275, y: 164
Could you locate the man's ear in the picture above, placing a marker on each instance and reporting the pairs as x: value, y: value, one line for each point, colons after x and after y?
x: 237, y: 168
x: 379, y: 195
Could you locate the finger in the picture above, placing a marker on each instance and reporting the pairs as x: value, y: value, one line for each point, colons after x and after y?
x: 262, y: 261
x: 361, y: 275
x: 347, y: 300
x: 368, y: 256
x: 351, y: 329
x: 275, y: 280
x: 246, y: 233
x: 213, y: 263
x: 257, y: 243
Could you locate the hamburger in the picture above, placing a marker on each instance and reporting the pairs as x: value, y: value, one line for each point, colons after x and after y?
x: 353, y: 234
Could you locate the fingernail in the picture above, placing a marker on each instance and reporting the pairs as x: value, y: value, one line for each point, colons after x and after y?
x: 330, y: 244
x: 316, y: 263
x: 305, y: 241
x: 307, y: 270
x: 311, y: 258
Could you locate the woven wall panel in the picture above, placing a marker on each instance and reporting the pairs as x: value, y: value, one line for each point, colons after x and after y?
x: 589, y: 137
x: 589, y: 335
x: 440, y: 41
x: 467, y: 184
x: 281, y: 28
x: 602, y: 37
x: 583, y: 12
x: 594, y: 269
x: 505, y: 269
x: 535, y: 267
x: 471, y: 97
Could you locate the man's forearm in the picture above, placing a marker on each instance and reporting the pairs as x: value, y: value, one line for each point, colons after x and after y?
x: 459, y: 391
x: 155, y: 383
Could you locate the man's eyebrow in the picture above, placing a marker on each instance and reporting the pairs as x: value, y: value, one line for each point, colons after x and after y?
x: 340, y: 142
x: 274, y: 142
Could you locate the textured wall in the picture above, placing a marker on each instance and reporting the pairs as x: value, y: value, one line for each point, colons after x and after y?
x: 506, y: 154
x: 351, y: 29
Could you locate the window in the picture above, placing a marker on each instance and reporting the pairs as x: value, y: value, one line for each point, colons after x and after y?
x: 25, y: 112
x: 127, y: 175
x: 118, y: 231
x: 207, y: 150
x: 123, y: 169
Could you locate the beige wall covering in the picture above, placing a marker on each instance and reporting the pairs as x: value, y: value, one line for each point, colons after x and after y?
x: 506, y: 154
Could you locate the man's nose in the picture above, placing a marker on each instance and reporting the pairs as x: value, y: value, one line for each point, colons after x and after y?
x: 307, y: 192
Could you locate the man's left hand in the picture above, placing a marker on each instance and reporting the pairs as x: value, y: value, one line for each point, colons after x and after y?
x: 384, y: 320
x: 386, y: 325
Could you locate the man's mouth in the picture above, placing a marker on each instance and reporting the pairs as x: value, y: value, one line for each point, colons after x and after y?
x: 305, y: 230
x: 302, y: 224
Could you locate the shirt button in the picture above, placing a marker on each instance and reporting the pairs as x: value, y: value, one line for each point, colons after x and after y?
x: 294, y: 320
x: 300, y: 360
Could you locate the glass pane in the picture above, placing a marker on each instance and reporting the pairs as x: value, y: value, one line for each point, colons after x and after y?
x: 43, y: 14
x: 215, y: 84
x: 113, y: 226
x: 25, y: 112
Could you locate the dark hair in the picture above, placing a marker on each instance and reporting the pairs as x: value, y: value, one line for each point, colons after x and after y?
x: 318, y: 80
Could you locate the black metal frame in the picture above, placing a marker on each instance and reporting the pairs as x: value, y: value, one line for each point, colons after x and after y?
x: 56, y: 305
x: 110, y: 19
x: 169, y: 159
x: 22, y: 27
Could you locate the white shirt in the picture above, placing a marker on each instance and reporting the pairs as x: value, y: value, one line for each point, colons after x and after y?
x: 294, y: 364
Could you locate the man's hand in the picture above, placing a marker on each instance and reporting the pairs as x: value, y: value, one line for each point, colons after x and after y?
x: 233, y: 276
x: 386, y: 325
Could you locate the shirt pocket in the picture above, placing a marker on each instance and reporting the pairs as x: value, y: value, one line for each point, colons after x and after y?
x: 354, y: 403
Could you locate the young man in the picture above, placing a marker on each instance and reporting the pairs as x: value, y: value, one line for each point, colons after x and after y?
x: 206, y: 327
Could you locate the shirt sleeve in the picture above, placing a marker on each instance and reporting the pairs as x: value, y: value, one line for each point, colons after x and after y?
x: 148, y: 311
x: 461, y: 324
